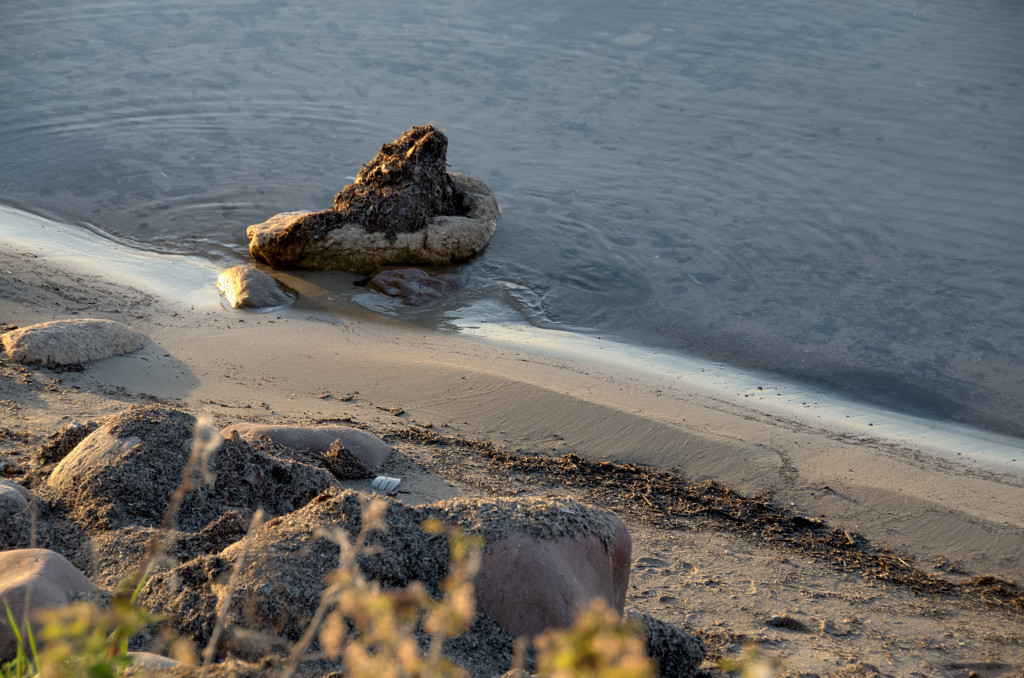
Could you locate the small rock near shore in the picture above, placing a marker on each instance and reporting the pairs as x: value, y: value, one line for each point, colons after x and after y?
x: 248, y: 287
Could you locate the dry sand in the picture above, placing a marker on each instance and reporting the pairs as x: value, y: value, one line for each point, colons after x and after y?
x: 825, y: 548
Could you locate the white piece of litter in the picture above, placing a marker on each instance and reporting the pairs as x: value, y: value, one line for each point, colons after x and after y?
x: 385, y: 484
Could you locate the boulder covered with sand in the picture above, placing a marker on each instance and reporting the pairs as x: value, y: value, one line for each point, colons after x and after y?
x: 278, y: 590
x: 124, y: 473
x: 71, y: 342
x: 33, y: 580
x: 250, y: 288
x: 403, y: 208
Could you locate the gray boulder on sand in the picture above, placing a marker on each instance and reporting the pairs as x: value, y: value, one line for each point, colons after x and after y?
x: 403, y: 208
x: 331, y: 441
x: 247, y: 287
x: 71, y: 342
x: 38, y: 579
x: 15, y: 520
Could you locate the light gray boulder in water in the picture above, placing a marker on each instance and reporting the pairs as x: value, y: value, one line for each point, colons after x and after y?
x: 347, y: 246
x: 248, y: 287
x: 404, y: 208
x: 71, y: 342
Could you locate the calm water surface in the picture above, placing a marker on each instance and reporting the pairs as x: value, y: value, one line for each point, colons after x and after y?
x: 829, y: 190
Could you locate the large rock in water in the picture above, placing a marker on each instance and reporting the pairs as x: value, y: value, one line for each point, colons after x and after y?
x: 403, y: 208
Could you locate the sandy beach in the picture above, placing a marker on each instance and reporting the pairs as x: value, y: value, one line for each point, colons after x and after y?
x: 911, y: 570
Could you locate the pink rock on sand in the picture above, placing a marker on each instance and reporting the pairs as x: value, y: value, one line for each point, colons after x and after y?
x: 35, y: 579
x: 528, y: 585
x: 368, y: 448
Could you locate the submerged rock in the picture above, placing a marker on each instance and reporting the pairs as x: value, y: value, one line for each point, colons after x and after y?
x: 247, y: 287
x: 414, y: 286
x: 403, y: 208
x: 71, y: 342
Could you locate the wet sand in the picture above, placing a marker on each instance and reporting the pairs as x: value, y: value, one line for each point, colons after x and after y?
x: 741, y: 519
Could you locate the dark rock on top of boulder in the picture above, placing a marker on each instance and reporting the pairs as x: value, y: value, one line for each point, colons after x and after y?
x: 397, y: 192
x: 404, y: 186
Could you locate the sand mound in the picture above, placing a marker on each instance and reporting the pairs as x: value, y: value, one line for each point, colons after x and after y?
x: 124, y: 473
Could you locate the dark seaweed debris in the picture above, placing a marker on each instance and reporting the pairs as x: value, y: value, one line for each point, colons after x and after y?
x: 403, y: 187
x: 666, y: 499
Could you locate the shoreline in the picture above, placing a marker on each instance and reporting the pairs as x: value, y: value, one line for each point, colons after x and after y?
x: 305, y: 363
x: 185, y: 279
x: 521, y: 386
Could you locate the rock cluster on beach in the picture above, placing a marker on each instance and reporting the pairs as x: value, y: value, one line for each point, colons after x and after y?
x: 95, y: 511
x: 404, y: 208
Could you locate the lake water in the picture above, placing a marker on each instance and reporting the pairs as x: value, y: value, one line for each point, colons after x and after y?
x: 827, y: 190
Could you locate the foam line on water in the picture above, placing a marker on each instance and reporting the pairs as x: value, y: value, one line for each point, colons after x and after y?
x: 178, y: 278
x: 753, y: 390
